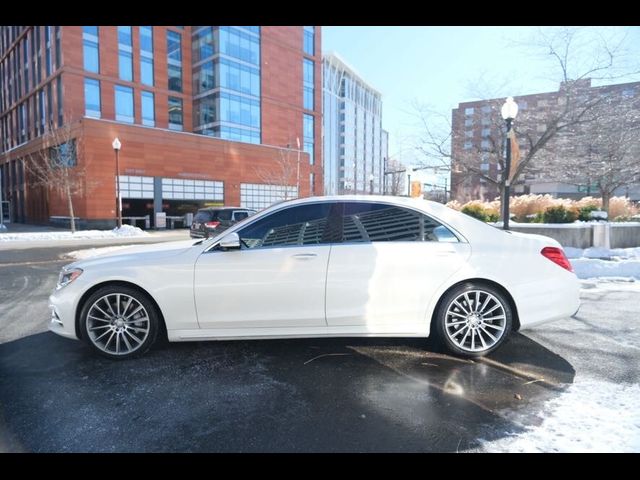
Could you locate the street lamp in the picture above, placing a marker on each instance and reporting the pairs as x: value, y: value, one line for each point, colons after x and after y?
x: 116, y: 148
x: 509, y: 111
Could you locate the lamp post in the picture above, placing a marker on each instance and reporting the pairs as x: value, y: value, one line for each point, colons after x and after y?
x: 509, y: 111
x: 298, y: 174
x: 116, y: 148
x: 371, y: 179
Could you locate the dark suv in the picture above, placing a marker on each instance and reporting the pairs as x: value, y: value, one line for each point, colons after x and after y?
x: 208, y: 222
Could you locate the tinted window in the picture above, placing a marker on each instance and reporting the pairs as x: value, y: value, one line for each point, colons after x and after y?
x: 302, y: 225
x: 240, y: 215
x: 209, y: 215
x: 375, y: 222
x: 203, y: 216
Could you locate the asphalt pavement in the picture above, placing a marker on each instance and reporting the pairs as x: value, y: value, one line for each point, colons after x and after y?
x: 309, y: 395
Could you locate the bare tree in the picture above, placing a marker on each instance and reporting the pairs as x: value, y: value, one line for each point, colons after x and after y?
x: 284, y: 173
x: 55, y: 167
x: 536, y: 128
x: 396, y: 173
x: 605, y: 153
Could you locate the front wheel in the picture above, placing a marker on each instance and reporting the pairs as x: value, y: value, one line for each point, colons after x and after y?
x: 119, y: 322
x: 473, y: 320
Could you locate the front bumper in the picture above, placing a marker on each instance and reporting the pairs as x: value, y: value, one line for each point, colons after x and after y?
x: 62, y: 316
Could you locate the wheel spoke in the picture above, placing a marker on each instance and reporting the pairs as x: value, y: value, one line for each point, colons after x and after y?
x: 113, y: 314
x: 109, y: 341
x: 137, y: 330
x: 451, y: 324
x: 134, y: 312
x: 95, y: 305
x: 473, y: 339
x: 99, y: 326
x: 487, y: 332
x: 118, y: 341
x: 142, y: 319
x: 461, y: 307
x: 499, y: 317
x: 497, y: 327
x: 126, y: 342
x: 100, y: 319
x: 497, y: 305
x: 484, y: 344
x: 457, y: 314
x: 101, y: 336
x: 138, y: 341
x: 466, y: 297
x: 477, y: 302
x: 126, y: 307
x: 459, y: 331
x: 118, y: 303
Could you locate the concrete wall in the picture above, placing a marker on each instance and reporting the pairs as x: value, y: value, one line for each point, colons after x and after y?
x: 580, y: 235
x: 625, y: 235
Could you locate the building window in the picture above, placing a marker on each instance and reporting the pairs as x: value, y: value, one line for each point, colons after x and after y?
x: 49, y: 104
x: 92, y: 98
x: 468, y: 133
x: 238, y: 77
x: 146, y: 55
x: 174, y: 60
x: 468, y: 111
x: 307, y: 128
x: 58, y: 50
x: 468, y: 122
x: 124, y: 104
x: 485, y: 145
x: 125, y: 54
x: 239, y: 43
x: 486, y: 132
x: 47, y: 49
x: 90, y: 49
x: 309, y: 34
x: 202, y: 44
x: 258, y: 196
x: 175, y: 113
x: 239, y: 110
x: 486, y: 108
x: 148, y: 113
x: 467, y: 145
x: 307, y: 83
x: 60, y: 100
x: 204, y: 78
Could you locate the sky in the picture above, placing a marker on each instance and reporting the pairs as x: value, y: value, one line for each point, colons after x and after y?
x: 443, y: 66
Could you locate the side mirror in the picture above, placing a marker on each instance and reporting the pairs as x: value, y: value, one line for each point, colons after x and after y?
x: 230, y: 242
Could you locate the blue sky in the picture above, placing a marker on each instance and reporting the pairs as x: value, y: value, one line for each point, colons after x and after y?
x: 441, y: 66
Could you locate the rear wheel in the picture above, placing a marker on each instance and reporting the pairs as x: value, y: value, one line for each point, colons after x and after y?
x: 119, y: 322
x: 473, y: 320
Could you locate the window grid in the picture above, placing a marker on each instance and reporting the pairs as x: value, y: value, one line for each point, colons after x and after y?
x: 257, y: 196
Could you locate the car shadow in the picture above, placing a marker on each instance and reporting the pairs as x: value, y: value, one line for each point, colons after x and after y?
x: 321, y: 395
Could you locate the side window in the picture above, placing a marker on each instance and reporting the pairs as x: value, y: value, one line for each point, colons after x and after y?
x: 377, y: 222
x: 240, y: 216
x: 301, y: 225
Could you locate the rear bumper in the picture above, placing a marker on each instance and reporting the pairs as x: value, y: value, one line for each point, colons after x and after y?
x: 547, y: 300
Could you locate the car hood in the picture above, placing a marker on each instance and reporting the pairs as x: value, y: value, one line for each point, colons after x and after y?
x: 137, y: 254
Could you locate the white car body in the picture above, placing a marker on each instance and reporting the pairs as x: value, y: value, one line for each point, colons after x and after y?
x: 342, y: 289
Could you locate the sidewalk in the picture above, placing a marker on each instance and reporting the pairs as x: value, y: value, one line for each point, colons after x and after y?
x: 154, y: 236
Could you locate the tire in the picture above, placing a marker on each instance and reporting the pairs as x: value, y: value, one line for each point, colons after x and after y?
x: 119, y: 322
x: 473, y: 319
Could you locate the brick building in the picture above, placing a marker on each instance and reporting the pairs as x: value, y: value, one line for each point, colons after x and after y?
x: 478, y: 129
x: 201, y: 112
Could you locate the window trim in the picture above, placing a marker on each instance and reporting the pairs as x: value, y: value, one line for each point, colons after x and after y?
x: 258, y: 216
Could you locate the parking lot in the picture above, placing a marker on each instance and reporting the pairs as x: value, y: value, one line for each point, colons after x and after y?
x: 325, y: 395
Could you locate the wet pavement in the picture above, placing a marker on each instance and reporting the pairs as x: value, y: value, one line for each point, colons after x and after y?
x: 308, y: 395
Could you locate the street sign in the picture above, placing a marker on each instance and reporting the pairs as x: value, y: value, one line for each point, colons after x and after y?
x: 161, y: 220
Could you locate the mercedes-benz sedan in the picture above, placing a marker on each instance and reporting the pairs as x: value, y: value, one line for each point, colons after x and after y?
x: 322, y: 267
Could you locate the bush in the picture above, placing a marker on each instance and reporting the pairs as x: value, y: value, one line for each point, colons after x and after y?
x: 475, y: 211
x: 559, y: 214
x: 584, y: 212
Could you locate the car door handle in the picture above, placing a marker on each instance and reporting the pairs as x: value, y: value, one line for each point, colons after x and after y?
x: 305, y: 256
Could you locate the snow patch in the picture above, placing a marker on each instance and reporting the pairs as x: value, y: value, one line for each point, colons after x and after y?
x: 590, y: 416
x: 597, y: 262
x: 124, y: 231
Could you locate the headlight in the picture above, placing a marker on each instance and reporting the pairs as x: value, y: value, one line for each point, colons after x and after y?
x: 68, y: 276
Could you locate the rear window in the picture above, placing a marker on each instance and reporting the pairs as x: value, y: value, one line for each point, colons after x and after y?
x: 208, y: 215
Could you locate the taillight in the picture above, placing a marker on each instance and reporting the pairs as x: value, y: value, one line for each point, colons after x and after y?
x: 211, y: 224
x: 557, y: 256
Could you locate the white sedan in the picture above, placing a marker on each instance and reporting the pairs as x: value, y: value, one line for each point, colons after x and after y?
x: 341, y: 266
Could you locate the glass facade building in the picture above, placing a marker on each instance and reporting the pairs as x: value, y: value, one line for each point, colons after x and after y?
x: 226, y: 82
x: 354, y: 146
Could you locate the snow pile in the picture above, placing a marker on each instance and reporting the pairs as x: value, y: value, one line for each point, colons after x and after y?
x: 124, y: 231
x: 591, y: 416
x: 94, y: 252
x: 598, y: 262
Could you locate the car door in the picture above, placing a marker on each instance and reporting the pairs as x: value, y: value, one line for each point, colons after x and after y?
x: 385, y: 270
x: 276, y: 279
